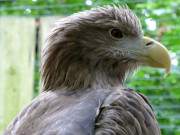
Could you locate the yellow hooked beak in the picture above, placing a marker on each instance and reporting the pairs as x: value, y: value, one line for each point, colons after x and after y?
x: 157, y: 54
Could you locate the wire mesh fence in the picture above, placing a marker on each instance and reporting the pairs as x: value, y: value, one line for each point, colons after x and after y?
x: 160, y: 20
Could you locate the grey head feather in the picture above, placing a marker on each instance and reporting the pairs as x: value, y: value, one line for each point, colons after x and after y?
x: 79, y: 52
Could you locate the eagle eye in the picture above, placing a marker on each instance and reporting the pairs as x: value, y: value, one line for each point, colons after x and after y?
x: 116, y: 33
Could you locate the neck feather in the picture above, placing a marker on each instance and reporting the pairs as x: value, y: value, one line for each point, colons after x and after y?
x: 67, y: 67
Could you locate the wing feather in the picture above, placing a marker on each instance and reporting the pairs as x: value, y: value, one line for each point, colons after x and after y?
x: 126, y: 112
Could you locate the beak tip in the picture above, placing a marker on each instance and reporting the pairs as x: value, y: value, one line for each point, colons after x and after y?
x: 159, y: 55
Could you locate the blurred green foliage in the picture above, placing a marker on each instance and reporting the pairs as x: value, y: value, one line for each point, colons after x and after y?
x: 160, y: 20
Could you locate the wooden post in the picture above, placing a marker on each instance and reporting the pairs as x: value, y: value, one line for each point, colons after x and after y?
x: 47, y: 23
x: 17, y: 42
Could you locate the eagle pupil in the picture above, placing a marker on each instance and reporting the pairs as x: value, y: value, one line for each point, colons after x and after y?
x: 116, y: 33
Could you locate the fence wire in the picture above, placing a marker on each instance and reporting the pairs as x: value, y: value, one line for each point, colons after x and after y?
x: 163, y: 93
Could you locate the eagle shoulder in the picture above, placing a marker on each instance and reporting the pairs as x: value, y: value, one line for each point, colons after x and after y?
x: 126, y: 112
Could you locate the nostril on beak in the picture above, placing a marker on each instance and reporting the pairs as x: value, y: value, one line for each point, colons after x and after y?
x: 149, y: 43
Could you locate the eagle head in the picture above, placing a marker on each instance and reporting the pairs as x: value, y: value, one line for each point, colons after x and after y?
x: 98, y: 48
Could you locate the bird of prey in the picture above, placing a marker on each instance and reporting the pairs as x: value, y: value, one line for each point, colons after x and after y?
x: 85, y: 62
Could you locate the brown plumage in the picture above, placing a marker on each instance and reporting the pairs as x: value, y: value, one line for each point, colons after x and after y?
x: 84, y: 64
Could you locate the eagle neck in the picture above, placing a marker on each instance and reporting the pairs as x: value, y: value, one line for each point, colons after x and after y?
x: 73, y: 67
